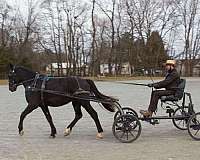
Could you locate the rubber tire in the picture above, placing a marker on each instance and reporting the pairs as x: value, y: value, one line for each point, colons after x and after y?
x: 174, y: 121
x: 131, y: 111
x: 126, y: 118
x: 189, y: 123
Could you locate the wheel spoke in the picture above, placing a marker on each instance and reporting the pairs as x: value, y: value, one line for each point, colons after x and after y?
x: 122, y: 134
x: 183, y: 123
x: 197, y: 121
x: 196, y: 132
x: 135, y: 130
x: 179, y: 122
x: 119, y: 123
x: 132, y: 134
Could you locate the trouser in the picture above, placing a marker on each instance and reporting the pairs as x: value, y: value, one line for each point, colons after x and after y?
x: 155, y: 96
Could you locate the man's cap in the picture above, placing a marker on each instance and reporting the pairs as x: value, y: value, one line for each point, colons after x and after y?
x: 170, y: 62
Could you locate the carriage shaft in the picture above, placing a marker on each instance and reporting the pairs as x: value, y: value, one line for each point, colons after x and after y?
x: 164, y: 117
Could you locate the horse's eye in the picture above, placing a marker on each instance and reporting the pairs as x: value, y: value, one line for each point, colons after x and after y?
x: 12, y: 72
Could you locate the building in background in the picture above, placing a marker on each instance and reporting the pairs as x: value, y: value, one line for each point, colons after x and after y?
x: 53, y: 69
x: 124, y: 70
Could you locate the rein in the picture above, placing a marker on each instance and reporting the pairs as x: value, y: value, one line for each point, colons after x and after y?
x: 35, y: 81
x: 131, y: 83
x: 91, y: 98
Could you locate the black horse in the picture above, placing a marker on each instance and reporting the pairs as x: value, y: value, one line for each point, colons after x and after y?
x: 42, y: 91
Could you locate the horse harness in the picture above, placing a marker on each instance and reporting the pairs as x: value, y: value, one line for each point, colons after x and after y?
x: 44, y: 79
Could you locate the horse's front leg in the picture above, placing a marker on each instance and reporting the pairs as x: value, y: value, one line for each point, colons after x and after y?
x: 27, y: 110
x: 47, y: 114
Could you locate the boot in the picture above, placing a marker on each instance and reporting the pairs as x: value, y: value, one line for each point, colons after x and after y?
x: 146, y: 113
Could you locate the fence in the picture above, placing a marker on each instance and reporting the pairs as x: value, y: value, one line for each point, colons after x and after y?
x: 3, y: 76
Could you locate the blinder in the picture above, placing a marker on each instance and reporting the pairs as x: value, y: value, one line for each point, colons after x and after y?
x: 13, y: 82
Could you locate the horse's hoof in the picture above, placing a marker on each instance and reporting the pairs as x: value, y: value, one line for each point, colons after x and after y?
x: 99, y: 135
x: 67, y: 132
x: 21, y: 133
x: 52, y: 136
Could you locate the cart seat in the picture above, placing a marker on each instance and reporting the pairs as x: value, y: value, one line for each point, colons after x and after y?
x: 178, y: 94
x: 169, y: 98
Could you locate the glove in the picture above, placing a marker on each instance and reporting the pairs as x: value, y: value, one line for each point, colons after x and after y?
x: 150, y: 85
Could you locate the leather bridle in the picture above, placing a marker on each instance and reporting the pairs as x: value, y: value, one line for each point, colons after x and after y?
x: 14, y: 83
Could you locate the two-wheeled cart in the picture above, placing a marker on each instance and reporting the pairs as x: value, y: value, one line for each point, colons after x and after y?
x: 127, y: 127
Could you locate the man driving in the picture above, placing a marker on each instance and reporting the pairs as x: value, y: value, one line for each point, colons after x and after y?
x: 170, y: 83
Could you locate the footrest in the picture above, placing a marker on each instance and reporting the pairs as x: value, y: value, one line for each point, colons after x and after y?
x: 154, y: 121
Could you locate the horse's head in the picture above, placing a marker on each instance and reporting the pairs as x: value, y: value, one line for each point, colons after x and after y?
x: 12, y: 78
x: 17, y: 76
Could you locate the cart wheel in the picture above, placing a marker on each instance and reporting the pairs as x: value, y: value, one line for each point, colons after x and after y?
x: 126, y: 128
x: 126, y: 110
x: 180, y: 123
x: 194, y: 126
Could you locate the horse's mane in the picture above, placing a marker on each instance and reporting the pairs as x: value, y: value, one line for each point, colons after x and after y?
x: 25, y: 69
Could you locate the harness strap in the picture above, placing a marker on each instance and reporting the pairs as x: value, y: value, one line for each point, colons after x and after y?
x: 79, y: 89
x: 42, y: 90
x: 35, y: 80
x: 78, y: 83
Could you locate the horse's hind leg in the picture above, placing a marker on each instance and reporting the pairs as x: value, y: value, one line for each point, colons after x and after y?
x: 78, y: 115
x: 27, y: 110
x: 47, y: 114
x: 94, y: 116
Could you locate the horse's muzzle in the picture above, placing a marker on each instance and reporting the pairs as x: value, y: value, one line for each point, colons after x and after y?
x: 12, y: 88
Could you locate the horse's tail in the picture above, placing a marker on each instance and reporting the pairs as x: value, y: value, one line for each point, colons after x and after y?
x: 109, y: 106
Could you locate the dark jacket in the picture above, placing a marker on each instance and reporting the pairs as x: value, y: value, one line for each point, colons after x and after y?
x: 170, y: 82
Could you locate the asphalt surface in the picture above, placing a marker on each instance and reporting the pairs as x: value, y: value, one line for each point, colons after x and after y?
x: 159, y: 142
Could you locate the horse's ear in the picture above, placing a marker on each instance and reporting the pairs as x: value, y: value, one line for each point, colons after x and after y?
x: 11, y: 66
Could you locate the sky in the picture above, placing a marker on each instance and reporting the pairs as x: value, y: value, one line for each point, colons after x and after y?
x: 22, y: 5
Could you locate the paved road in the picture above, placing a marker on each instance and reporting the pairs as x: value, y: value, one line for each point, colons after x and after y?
x: 161, y: 142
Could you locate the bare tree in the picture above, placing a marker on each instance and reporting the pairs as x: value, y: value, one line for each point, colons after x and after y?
x: 93, y: 39
x: 18, y: 32
x: 110, y: 13
x: 188, y: 14
x: 115, y: 32
x: 65, y: 21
